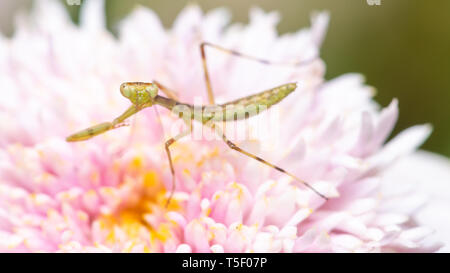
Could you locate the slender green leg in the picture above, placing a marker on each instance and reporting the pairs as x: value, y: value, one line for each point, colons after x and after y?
x: 167, y: 91
x: 236, y: 148
x: 172, y: 170
x: 173, y: 95
x: 238, y: 54
x: 205, y: 70
x: 105, y: 126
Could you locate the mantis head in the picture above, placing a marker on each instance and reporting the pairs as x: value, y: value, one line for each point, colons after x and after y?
x: 139, y: 93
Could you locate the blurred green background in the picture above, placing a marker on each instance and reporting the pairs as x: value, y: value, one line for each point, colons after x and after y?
x: 401, y: 46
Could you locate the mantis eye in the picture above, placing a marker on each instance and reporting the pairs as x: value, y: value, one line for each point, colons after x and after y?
x: 126, y: 90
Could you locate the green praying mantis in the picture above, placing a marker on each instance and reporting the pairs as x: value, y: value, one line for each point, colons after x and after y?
x: 143, y: 95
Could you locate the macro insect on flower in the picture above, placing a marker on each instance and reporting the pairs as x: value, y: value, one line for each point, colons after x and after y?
x: 111, y: 193
x: 143, y: 95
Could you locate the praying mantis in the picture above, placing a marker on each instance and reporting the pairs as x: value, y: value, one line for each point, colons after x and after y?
x: 143, y: 95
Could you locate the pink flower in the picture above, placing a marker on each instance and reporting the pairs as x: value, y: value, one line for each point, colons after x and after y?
x: 108, y: 193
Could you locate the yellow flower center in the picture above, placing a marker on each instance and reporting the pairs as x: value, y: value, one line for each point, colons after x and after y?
x: 129, y: 227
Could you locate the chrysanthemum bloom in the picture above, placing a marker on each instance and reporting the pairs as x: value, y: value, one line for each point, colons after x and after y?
x: 109, y: 193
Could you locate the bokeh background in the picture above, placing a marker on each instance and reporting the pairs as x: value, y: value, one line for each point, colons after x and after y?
x: 402, y: 47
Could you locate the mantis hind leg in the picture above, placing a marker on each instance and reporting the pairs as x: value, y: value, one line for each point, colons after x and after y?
x: 236, y: 148
x: 241, y: 55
